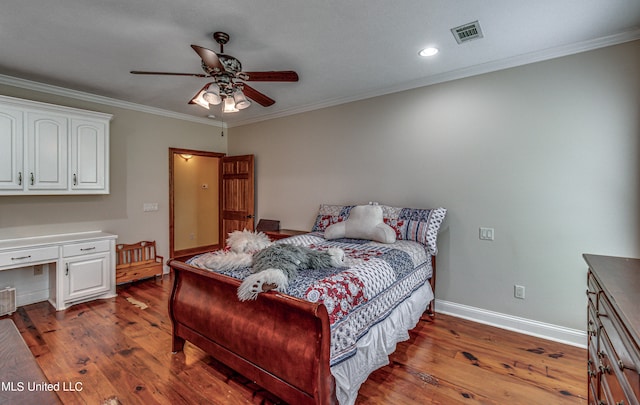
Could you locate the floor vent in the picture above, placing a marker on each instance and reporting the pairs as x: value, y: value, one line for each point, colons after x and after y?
x: 7, y: 301
x: 467, y: 32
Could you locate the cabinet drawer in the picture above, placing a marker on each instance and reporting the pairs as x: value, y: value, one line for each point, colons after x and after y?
x: 84, y: 248
x: 616, y: 387
x: 593, y: 324
x: 593, y: 289
x: 29, y: 256
x: 617, y: 347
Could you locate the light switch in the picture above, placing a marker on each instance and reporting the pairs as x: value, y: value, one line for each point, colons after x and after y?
x: 146, y: 207
x: 486, y: 233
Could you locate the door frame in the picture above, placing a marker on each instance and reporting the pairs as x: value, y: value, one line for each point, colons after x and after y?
x: 198, y: 249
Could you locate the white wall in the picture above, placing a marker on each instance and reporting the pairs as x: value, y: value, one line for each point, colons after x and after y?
x: 139, y: 171
x: 547, y: 154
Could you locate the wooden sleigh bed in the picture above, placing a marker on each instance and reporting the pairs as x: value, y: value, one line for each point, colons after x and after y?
x: 281, y: 342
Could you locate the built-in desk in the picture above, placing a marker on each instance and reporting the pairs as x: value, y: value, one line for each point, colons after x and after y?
x: 81, y: 265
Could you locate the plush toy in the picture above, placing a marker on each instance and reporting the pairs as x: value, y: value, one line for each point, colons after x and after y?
x: 241, y: 245
x: 364, y: 222
x: 274, y: 266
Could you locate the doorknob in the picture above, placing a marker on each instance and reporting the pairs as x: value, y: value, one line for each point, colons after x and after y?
x: 251, y: 216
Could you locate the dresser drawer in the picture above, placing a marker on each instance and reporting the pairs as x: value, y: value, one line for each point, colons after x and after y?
x: 616, y: 387
x: 593, y: 290
x: 27, y: 257
x: 617, y: 348
x: 84, y: 248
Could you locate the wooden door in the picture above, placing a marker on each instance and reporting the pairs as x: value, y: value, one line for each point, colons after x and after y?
x: 236, y: 186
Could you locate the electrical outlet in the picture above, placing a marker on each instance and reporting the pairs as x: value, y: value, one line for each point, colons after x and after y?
x: 518, y: 291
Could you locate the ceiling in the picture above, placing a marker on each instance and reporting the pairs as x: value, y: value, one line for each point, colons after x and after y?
x: 343, y: 50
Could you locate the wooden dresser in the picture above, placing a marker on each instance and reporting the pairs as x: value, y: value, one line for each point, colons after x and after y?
x: 283, y: 233
x: 614, y: 330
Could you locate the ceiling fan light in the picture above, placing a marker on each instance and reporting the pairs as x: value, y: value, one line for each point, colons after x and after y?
x: 229, y: 105
x: 201, y: 101
x: 241, y: 100
x: 212, y: 95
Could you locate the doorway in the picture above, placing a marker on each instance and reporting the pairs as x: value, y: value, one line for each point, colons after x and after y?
x: 194, y: 188
x: 210, y: 195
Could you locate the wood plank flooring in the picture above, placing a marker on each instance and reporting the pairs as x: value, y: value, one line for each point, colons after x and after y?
x: 118, y: 351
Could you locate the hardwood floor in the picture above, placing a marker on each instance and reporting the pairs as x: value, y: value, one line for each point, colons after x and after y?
x: 119, y: 350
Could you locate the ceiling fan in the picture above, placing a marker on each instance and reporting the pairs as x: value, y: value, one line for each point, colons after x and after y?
x: 228, y: 85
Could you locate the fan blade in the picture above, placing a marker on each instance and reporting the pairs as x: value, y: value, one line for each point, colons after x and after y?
x: 138, y: 72
x: 273, y: 76
x: 256, y: 96
x: 209, y: 57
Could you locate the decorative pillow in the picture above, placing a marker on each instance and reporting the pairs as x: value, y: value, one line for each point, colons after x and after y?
x: 420, y: 225
x: 364, y: 222
x: 329, y: 215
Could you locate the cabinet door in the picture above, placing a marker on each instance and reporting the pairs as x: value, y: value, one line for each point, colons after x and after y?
x: 86, y: 276
x: 88, y: 155
x: 47, y: 142
x: 11, y: 149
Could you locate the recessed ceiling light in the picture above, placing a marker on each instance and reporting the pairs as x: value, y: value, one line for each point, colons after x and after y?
x: 428, y: 52
x: 211, y: 116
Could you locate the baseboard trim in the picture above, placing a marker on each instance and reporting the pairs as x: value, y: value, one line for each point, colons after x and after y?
x: 542, y: 330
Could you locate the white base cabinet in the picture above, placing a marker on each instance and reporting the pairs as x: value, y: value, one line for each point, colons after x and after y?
x: 47, y: 149
x: 81, y: 265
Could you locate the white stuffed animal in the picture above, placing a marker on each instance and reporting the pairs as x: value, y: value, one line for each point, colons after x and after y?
x: 242, y: 245
x: 364, y: 222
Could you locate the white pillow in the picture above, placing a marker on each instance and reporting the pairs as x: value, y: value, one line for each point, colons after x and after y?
x: 364, y: 222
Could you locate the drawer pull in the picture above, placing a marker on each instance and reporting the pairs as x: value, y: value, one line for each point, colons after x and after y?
x: 21, y: 257
x: 85, y: 249
x: 622, y: 366
x: 604, y: 369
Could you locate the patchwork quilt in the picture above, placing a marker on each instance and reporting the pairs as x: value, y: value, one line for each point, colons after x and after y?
x: 377, y: 278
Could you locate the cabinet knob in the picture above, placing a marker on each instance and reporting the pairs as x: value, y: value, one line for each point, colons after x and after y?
x: 604, y: 369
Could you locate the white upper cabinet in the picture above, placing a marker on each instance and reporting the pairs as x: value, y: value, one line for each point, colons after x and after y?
x: 47, y: 145
x: 89, y: 150
x: 47, y: 149
x: 11, y: 150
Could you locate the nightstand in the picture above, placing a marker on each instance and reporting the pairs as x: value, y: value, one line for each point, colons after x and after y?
x: 283, y: 233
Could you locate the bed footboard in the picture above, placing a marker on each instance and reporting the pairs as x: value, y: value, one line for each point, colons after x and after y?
x: 280, y: 342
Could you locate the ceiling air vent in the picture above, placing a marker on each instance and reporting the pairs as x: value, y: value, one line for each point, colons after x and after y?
x: 467, y: 32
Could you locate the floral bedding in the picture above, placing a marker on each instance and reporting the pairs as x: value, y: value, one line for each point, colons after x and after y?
x: 377, y: 279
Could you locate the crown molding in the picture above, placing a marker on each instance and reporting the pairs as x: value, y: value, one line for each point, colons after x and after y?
x: 475, y: 70
x: 520, y: 60
x: 94, y: 98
